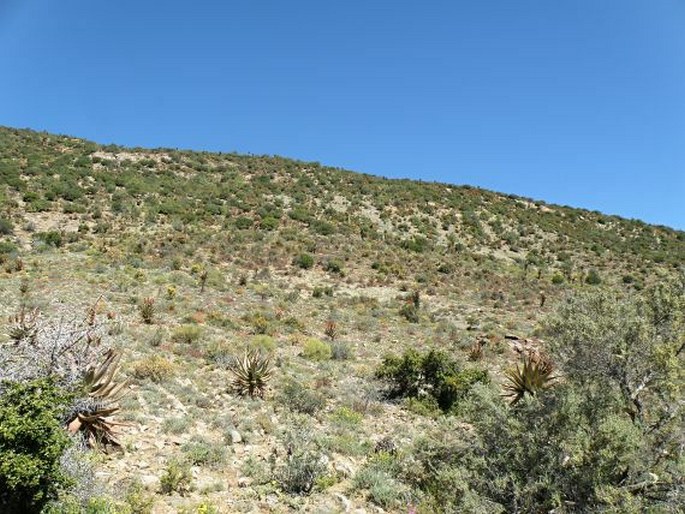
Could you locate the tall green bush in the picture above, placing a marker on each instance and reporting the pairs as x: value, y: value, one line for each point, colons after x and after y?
x: 32, y: 440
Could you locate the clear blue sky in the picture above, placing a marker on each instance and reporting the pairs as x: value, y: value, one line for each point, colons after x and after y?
x: 579, y: 102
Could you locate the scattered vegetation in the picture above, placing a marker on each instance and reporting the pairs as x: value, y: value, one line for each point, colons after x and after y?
x: 456, y: 299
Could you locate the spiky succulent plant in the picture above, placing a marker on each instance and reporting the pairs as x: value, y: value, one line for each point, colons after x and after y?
x: 24, y: 325
x: 533, y: 376
x: 90, y: 415
x: 251, y: 373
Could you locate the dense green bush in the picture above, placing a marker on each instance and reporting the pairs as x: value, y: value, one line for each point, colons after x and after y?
x: 52, y: 238
x: 333, y: 266
x: 593, y: 278
x: 7, y: 248
x: 32, y: 441
x: 433, y: 375
x: 317, y: 350
x: 6, y: 227
x: 304, y: 261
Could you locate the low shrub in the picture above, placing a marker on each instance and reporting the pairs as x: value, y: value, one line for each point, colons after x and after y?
x: 263, y: 343
x: 317, y: 350
x: 186, y: 334
x: 6, y: 227
x: 433, y: 374
x: 176, y: 478
x: 304, y: 261
x: 300, y: 398
x: 154, y: 368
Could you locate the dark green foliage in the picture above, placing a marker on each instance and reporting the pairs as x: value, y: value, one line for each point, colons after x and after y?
x: 7, y: 248
x: 269, y: 223
x: 416, y: 244
x: 32, y: 440
x: 593, y: 278
x: 243, y: 223
x: 430, y: 375
x: 304, y: 261
x: 231, y: 191
x: 557, y: 279
x: 6, y: 227
x: 52, y: 238
x: 322, y: 227
x: 333, y: 266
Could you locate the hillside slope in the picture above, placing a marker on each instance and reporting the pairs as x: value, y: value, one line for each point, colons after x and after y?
x: 187, y: 259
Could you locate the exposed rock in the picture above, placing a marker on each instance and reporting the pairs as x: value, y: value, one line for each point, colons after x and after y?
x: 236, y: 437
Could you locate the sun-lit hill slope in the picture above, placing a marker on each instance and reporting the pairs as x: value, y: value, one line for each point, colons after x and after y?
x: 183, y: 261
x: 264, y: 209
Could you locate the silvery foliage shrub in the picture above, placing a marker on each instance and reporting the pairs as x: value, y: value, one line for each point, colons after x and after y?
x: 304, y: 463
x: 62, y: 348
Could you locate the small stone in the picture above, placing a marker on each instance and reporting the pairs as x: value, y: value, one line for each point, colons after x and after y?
x: 346, y: 503
x: 149, y: 481
x: 244, y: 482
x: 236, y: 437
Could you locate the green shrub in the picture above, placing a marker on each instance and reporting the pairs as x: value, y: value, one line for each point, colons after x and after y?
x: 300, y: 398
x: 300, y: 473
x: 32, y: 440
x: 317, y: 350
x: 333, y: 266
x: 263, y: 342
x: 201, y: 453
x: 243, y: 223
x: 557, y: 279
x: 6, y: 227
x: 52, y: 238
x: 382, y: 489
x: 596, y: 441
x: 322, y: 227
x: 593, y: 278
x: 434, y: 374
x: 176, y: 478
x: 7, y: 248
x: 304, y: 261
x: 319, y: 292
x: 269, y: 223
x: 138, y: 500
x: 186, y: 334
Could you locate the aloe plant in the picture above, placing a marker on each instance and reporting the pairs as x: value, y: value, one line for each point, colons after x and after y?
x: 91, y: 414
x: 530, y: 378
x: 251, y: 374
